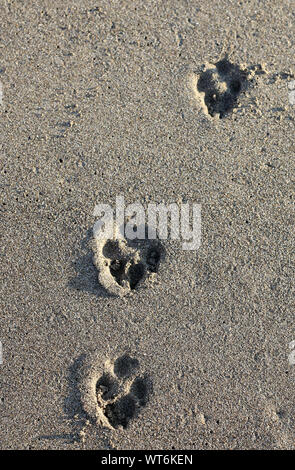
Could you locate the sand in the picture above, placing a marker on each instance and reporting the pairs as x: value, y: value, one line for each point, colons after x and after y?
x: 159, y: 102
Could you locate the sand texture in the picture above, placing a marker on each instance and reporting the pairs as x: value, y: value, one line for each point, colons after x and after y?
x: 146, y: 345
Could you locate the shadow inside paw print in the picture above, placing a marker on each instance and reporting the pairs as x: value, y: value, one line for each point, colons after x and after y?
x: 125, y: 366
x: 122, y: 394
x: 107, y: 387
x: 222, y: 83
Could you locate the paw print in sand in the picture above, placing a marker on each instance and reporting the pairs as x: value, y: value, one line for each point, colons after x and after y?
x: 220, y: 85
x: 124, y: 264
x: 121, y: 394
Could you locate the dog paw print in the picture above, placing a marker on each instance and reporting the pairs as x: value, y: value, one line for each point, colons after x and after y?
x: 124, y: 264
x: 121, y: 394
x: 220, y: 85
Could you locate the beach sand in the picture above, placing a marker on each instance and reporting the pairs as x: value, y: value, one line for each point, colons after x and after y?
x: 102, y: 99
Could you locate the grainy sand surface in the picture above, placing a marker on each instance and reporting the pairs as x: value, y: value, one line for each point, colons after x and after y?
x: 109, y: 98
